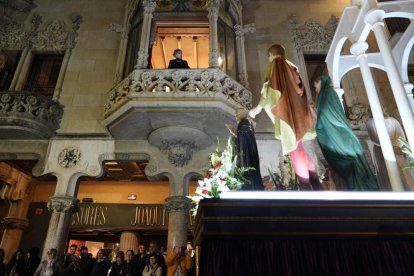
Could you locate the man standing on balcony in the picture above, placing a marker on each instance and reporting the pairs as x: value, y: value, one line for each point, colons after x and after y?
x: 178, y: 62
x: 286, y: 104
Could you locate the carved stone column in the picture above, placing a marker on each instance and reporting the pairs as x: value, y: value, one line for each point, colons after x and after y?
x: 178, y: 208
x: 18, y: 189
x: 62, y: 208
x: 213, y: 7
x: 149, y: 7
x: 240, y: 30
x: 129, y: 240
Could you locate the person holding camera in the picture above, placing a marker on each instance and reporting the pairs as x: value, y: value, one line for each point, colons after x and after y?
x: 179, y: 261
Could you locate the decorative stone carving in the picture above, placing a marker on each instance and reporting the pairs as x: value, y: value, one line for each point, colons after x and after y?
x: 31, y: 110
x: 358, y: 116
x: 213, y: 59
x: 69, y: 157
x: 151, y: 168
x: 12, y: 36
x: 213, y: 7
x: 55, y: 36
x: 142, y: 61
x: 179, y: 152
x: 241, y: 30
x: 149, y: 6
x: 14, y: 223
x: 178, y: 204
x: 177, y: 83
x: 313, y: 36
x: 63, y: 204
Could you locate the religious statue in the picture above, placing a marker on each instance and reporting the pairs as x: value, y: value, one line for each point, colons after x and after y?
x: 246, y: 150
x: 286, y: 104
x: 339, y: 144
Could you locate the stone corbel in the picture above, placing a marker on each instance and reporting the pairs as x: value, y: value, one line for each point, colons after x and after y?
x: 180, y: 204
x: 122, y: 29
x: 63, y: 204
x: 241, y: 30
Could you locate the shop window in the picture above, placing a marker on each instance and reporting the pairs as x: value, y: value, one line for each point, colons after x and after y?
x: 44, y: 74
x: 8, y: 64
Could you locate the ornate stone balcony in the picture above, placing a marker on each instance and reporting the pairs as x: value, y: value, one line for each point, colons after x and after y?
x: 26, y: 115
x: 147, y: 100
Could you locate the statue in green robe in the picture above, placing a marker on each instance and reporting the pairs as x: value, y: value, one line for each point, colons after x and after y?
x: 339, y: 145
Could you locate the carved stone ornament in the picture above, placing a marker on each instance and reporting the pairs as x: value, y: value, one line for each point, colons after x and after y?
x: 241, y: 30
x: 177, y: 83
x: 63, y: 204
x: 54, y: 36
x: 14, y: 223
x: 122, y: 29
x: 213, y: 7
x: 179, y: 152
x: 149, y: 6
x: 178, y: 204
x: 69, y: 157
x: 358, y: 116
x: 313, y: 36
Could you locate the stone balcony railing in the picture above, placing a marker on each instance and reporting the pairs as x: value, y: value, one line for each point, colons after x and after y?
x: 25, y: 115
x: 150, y: 102
x: 182, y: 83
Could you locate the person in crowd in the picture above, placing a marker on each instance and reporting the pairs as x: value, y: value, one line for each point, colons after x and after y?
x: 246, y: 150
x: 32, y: 261
x: 16, y: 264
x: 153, y: 249
x: 178, y: 62
x: 131, y: 265
x: 85, y: 262
x: 51, y: 266
x: 153, y: 269
x: 179, y: 261
x: 285, y: 102
x: 71, y: 261
x: 192, y: 270
x: 118, y: 267
x: 2, y: 264
x: 101, y: 265
x: 140, y: 258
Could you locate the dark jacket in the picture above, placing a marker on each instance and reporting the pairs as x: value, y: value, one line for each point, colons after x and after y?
x: 178, y: 63
x: 101, y: 268
x: 117, y: 269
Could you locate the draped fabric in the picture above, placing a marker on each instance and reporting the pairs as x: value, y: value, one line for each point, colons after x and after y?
x: 319, y: 257
x: 248, y: 155
x: 286, y: 104
x: 340, y: 147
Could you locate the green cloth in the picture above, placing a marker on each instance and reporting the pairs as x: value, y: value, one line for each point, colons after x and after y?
x: 339, y: 144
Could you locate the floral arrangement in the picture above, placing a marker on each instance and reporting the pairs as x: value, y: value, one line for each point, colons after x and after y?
x: 222, y: 176
x: 287, y: 179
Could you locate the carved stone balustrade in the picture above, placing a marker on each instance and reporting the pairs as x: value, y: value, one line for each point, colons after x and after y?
x: 201, y: 99
x: 26, y: 115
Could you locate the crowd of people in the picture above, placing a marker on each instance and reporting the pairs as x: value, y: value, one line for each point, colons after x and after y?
x: 81, y: 262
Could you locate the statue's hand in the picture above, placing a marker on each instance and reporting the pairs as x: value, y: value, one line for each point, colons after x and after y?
x: 232, y: 129
x: 253, y: 112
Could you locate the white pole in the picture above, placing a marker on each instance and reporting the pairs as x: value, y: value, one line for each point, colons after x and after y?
x: 374, y: 18
x: 358, y: 49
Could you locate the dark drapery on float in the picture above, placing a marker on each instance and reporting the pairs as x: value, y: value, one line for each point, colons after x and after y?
x: 307, y: 257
